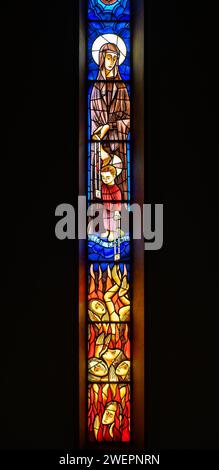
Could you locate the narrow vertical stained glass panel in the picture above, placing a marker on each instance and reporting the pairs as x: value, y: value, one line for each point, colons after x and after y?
x: 109, y: 303
x: 109, y: 10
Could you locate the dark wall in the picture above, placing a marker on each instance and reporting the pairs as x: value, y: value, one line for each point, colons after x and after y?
x: 182, y: 403
x: 41, y: 167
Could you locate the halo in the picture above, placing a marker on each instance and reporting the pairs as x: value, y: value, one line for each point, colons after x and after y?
x: 112, y: 39
x: 117, y: 163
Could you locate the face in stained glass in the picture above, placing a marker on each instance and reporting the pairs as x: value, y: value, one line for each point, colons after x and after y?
x: 108, y: 352
x: 117, y: 35
x: 108, y: 179
x: 109, y: 412
x: 108, y: 293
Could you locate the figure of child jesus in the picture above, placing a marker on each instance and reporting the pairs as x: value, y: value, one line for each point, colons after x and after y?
x: 110, y: 194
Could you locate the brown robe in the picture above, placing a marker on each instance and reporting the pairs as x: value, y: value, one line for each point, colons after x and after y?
x: 110, y: 104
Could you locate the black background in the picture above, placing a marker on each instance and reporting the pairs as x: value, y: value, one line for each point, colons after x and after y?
x: 39, y: 61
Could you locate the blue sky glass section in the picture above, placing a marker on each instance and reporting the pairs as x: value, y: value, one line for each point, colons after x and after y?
x: 119, y: 10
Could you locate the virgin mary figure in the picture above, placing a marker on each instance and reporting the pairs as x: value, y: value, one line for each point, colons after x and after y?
x: 110, y: 110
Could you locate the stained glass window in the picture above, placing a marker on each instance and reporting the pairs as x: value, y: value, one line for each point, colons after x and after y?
x: 109, y: 275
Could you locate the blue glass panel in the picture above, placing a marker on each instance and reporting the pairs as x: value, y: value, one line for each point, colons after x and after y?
x: 102, y: 250
x: 109, y: 10
x: 100, y: 30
